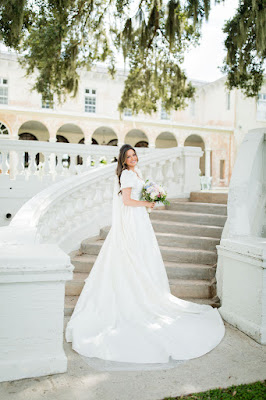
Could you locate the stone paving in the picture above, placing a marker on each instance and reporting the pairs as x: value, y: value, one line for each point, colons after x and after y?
x: 237, y: 359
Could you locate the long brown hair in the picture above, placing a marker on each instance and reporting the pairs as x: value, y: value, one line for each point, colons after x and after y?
x: 121, y: 162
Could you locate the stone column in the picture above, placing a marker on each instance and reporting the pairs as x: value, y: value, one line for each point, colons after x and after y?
x: 191, y: 156
x: 208, y: 162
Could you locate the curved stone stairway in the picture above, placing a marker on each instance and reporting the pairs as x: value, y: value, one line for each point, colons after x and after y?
x: 187, y: 232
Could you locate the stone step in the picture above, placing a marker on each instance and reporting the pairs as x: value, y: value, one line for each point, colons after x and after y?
x: 178, y: 240
x: 185, y: 241
x: 188, y: 217
x: 74, y: 287
x: 211, y: 302
x: 177, y: 270
x: 209, y: 197
x: 191, y: 288
x: 183, y: 255
x: 84, y: 263
x: 189, y: 229
x: 71, y: 301
x: 93, y: 245
x: 198, y: 288
x: 194, y: 207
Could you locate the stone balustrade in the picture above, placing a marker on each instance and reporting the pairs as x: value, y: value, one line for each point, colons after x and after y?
x: 27, y: 157
x: 68, y: 211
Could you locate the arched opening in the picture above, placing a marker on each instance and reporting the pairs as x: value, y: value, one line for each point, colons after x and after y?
x: 137, y: 138
x: 104, y: 136
x: 165, y: 140
x: 197, y: 141
x: 36, y: 128
x: 29, y: 136
x: 71, y: 132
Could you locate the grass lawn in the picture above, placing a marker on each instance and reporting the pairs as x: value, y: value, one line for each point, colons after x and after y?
x: 251, y: 391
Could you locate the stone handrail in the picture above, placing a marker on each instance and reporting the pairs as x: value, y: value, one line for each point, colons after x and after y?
x: 77, y: 207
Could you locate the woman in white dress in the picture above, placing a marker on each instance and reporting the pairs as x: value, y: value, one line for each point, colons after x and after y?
x: 126, y: 311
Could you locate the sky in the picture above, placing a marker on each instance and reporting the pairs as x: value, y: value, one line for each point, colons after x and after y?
x: 202, y: 62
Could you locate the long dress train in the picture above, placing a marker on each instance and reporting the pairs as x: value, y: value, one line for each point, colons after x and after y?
x: 126, y: 311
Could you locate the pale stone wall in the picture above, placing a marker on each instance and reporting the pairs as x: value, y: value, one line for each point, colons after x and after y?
x: 220, y: 129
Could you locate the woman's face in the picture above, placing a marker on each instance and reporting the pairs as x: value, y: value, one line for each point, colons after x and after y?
x: 131, y: 158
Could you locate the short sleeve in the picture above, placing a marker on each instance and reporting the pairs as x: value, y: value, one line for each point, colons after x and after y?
x: 127, y: 178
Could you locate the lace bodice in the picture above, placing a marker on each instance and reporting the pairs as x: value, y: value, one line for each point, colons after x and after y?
x: 129, y: 178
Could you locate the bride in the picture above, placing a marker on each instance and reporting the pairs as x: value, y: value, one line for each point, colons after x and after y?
x: 126, y: 311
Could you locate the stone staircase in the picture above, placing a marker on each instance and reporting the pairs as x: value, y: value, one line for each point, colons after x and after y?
x: 187, y: 231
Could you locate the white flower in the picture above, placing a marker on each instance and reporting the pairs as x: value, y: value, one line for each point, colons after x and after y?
x: 153, y: 195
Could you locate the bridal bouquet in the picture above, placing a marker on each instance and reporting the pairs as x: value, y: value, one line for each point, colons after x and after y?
x: 153, y: 192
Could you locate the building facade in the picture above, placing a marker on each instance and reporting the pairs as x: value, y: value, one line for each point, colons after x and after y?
x: 216, y: 120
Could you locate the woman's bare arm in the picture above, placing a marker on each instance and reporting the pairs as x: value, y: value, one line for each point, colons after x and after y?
x: 126, y: 196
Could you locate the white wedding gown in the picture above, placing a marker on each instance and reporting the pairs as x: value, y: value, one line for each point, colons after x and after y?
x: 125, y: 311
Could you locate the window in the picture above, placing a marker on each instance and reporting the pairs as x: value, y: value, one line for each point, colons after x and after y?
x: 3, y: 129
x: 164, y: 113
x: 3, y: 91
x: 47, y: 104
x: 127, y: 112
x: 228, y: 101
x: 261, y: 107
x: 90, y: 100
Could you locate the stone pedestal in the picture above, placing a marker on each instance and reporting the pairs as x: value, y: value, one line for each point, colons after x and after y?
x: 241, y: 272
x: 32, y: 292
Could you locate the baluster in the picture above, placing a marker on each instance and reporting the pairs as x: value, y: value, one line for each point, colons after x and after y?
x: 32, y: 168
x: 59, y: 167
x: 86, y: 162
x: 13, y: 161
x: 52, y: 165
x: 89, y: 198
x: 96, y: 161
x: 152, y: 172
x: 72, y: 166
x: 107, y: 191
x: 159, y: 173
x: 4, y: 165
x: 46, y: 166
x: 179, y: 171
x: 20, y: 164
x: 169, y: 174
x: 97, y: 198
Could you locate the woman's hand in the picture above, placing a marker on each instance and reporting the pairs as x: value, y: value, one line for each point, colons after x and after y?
x: 150, y: 204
